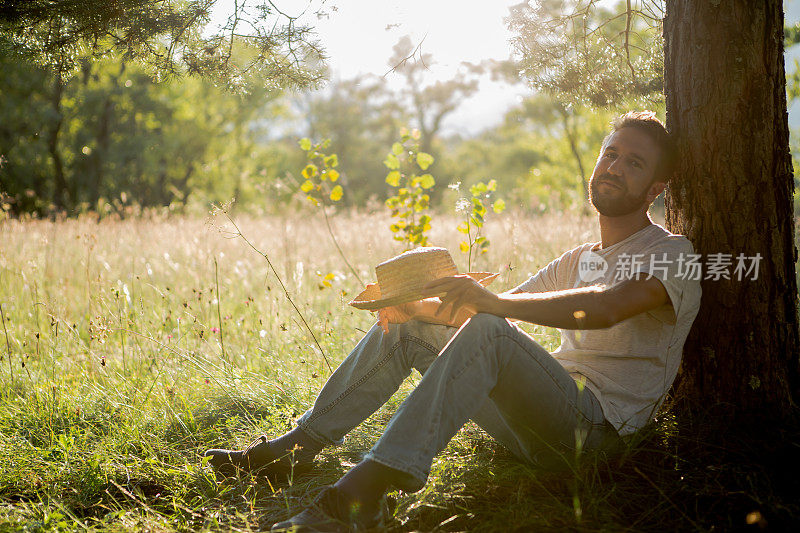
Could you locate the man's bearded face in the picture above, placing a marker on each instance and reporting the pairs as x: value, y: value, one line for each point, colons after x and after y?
x: 611, y: 197
x: 624, y: 173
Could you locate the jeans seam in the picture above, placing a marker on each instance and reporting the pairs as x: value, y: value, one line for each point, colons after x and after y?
x: 430, y: 347
x: 357, y: 384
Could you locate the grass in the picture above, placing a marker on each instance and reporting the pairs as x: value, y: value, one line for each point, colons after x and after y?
x: 134, y: 345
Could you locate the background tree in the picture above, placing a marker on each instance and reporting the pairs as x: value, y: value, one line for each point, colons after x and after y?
x: 791, y: 37
x: 430, y: 104
x: 581, y: 128
x: 361, y: 117
x: 538, y: 154
x: 259, y: 48
x: 25, y: 172
x: 122, y: 134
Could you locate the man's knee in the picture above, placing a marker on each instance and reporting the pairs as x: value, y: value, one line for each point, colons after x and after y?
x: 470, y: 341
x: 487, y: 321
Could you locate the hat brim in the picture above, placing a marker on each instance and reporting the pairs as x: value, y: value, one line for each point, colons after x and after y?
x: 370, y: 298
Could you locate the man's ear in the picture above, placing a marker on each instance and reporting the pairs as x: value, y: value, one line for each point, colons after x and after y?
x: 655, y: 189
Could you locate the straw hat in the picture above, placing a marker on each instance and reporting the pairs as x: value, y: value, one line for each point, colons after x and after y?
x: 401, y: 278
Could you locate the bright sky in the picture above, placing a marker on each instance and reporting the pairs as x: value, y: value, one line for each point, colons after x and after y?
x: 358, y: 36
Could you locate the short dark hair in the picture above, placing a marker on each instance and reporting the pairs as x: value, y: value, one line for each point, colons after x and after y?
x: 648, y: 122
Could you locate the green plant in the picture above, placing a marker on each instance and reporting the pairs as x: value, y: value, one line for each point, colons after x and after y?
x: 410, y: 200
x: 320, y: 173
x: 320, y: 176
x: 474, y: 210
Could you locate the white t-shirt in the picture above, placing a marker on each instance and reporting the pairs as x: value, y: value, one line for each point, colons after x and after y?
x: 631, y: 365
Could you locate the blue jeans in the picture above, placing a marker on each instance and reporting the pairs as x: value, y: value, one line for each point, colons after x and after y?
x: 488, y: 370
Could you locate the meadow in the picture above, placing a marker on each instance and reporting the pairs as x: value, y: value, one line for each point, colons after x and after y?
x: 130, y: 346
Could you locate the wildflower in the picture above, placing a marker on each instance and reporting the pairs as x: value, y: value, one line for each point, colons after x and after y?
x: 214, y: 330
x: 462, y: 204
x: 454, y: 186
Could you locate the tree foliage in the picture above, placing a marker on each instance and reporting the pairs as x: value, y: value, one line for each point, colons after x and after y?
x: 259, y: 44
x: 427, y: 105
x: 540, y: 155
x: 109, y: 135
x: 585, y: 53
x: 791, y: 37
x: 125, y: 139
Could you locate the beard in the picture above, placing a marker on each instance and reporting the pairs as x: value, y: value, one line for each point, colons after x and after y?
x: 615, y: 203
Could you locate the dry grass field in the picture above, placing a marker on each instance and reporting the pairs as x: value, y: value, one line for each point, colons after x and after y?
x: 130, y: 346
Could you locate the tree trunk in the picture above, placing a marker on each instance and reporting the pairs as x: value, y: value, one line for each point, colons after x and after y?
x: 726, y: 105
x: 100, y: 155
x: 60, y: 188
x: 572, y: 137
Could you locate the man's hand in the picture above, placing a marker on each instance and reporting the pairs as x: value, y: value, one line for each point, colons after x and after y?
x: 461, y: 293
x: 396, y: 314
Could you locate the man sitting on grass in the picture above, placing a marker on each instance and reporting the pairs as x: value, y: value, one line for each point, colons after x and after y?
x: 624, y: 308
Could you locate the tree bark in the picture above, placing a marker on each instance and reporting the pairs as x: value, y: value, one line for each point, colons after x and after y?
x: 726, y: 105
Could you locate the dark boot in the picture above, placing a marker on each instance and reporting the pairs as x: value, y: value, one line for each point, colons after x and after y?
x: 259, y: 458
x: 332, y: 512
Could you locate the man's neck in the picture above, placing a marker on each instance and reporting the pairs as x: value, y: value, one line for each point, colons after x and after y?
x: 616, y: 229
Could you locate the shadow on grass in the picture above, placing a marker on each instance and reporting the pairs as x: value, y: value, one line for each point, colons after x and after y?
x: 704, y: 473
x: 697, y: 472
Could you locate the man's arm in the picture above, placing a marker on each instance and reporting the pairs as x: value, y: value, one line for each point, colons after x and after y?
x: 583, y: 308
